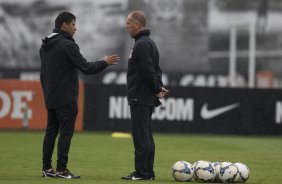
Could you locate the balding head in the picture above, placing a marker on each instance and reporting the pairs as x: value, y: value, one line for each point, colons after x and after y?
x: 139, y: 17
x: 136, y: 22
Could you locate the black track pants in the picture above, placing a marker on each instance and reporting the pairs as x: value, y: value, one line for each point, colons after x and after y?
x: 60, y: 120
x: 143, y: 139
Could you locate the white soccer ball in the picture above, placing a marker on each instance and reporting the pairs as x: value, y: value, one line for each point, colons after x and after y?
x: 216, y: 166
x: 182, y: 171
x: 228, y: 172
x: 244, y: 172
x: 204, y: 171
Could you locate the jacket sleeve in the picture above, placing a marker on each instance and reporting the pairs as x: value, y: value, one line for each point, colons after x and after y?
x: 41, y: 69
x: 41, y: 72
x: 76, y: 58
x: 146, y: 61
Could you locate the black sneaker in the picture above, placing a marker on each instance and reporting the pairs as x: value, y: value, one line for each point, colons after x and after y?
x: 66, y: 174
x: 48, y: 173
x: 136, y: 176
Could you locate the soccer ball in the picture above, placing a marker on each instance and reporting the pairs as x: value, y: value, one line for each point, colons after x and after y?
x: 182, y: 171
x: 244, y: 172
x: 204, y: 171
x: 216, y: 166
x: 228, y: 172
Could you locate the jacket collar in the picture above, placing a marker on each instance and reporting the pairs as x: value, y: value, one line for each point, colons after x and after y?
x: 145, y: 32
x: 63, y: 33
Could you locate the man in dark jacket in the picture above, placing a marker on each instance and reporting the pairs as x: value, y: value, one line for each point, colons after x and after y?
x: 60, y: 61
x: 144, y: 89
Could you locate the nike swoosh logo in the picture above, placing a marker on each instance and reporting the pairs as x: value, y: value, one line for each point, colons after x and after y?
x: 67, y: 177
x: 134, y: 178
x: 208, y: 114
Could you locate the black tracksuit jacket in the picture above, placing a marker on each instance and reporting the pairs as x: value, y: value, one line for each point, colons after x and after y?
x: 60, y: 61
x: 144, y: 74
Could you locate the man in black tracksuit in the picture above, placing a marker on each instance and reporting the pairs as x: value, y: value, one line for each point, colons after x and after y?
x: 60, y: 61
x: 144, y: 89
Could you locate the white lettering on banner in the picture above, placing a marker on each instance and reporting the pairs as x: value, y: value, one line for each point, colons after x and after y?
x: 20, y: 107
x: 30, y: 76
x: 118, y: 108
x: 204, y: 80
x: 6, y: 104
x: 172, y: 109
x: 114, y: 78
x: 120, y: 78
x: 175, y: 109
x: 197, y: 80
x: 278, y: 112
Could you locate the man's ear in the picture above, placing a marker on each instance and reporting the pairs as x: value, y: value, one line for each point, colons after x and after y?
x: 137, y: 25
x: 64, y: 25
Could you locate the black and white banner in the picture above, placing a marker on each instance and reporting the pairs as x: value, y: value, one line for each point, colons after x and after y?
x: 191, y: 110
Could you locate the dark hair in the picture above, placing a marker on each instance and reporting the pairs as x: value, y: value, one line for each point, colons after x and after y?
x: 139, y: 17
x: 64, y: 17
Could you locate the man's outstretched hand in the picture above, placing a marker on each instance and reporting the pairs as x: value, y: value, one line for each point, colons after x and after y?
x: 111, y: 60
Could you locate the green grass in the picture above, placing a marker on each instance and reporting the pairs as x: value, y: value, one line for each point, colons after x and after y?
x: 101, y: 159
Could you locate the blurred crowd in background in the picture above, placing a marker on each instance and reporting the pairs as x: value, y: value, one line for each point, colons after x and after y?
x: 193, y: 37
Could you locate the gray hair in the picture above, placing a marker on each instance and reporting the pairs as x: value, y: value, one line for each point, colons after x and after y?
x: 139, y: 17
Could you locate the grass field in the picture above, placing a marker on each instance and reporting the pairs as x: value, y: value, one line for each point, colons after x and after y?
x: 101, y: 159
